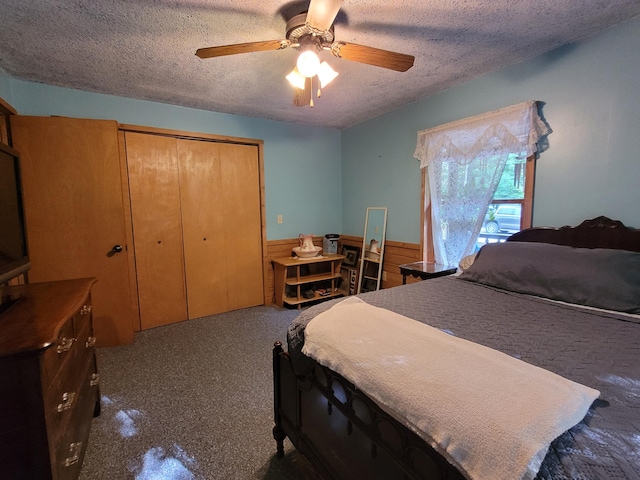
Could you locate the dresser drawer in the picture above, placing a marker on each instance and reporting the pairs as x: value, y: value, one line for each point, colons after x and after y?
x: 73, y: 441
x: 72, y: 338
x: 65, y: 392
x: 47, y: 351
x: 58, y: 352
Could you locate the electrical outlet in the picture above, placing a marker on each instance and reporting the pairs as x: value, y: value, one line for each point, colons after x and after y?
x: 279, y: 219
x: 384, y: 276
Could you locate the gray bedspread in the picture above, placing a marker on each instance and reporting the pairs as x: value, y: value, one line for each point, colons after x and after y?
x: 600, y: 350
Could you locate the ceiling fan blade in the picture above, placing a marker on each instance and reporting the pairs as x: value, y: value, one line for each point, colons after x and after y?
x: 302, y: 98
x: 223, y: 50
x: 373, y: 56
x: 322, y: 13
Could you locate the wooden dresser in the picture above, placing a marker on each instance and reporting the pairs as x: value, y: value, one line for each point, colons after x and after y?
x: 48, y: 380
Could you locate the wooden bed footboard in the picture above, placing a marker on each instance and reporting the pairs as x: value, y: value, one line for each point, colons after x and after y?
x: 342, y: 433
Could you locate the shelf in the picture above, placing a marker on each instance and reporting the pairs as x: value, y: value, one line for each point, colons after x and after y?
x: 303, y: 274
x: 296, y: 301
x: 294, y: 261
x: 291, y: 281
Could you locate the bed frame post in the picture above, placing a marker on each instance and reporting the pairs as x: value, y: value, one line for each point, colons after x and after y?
x: 278, y: 433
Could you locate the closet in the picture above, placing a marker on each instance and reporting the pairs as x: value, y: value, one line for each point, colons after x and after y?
x: 170, y: 223
x: 196, y: 215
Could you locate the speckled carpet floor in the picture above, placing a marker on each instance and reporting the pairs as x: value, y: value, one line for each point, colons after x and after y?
x: 192, y: 401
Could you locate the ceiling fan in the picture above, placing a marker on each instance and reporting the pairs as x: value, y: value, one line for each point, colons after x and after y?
x: 310, y: 33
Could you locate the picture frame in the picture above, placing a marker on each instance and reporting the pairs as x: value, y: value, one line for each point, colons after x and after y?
x: 351, y: 255
x: 345, y: 273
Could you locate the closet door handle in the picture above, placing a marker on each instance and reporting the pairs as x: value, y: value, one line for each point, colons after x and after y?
x: 114, y: 250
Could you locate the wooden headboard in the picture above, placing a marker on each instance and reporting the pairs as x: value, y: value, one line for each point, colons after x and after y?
x: 600, y: 232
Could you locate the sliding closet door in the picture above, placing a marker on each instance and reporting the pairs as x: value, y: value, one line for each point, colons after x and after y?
x: 197, y: 226
x: 157, y: 228
x: 242, y: 218
x: 220, y: 198
x: 202, y: 196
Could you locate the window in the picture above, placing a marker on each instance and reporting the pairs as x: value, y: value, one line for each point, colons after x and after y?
x: 510, y: 208
x: 478, y: 179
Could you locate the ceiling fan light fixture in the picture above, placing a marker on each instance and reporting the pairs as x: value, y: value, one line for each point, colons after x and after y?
x: 308, y: 63
x: 296, y: 79
x: 326, y: 74
x: 321, y: 14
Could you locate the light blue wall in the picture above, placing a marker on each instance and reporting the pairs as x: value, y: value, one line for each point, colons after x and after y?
x: 322, y: 180
x: 301, y: 163
x: 591, y: 95
x: 5, y: 85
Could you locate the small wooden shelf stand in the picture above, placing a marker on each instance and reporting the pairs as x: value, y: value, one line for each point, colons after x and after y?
x: 298, y: 275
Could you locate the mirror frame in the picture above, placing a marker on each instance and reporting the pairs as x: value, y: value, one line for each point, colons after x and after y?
x: 364, y: 257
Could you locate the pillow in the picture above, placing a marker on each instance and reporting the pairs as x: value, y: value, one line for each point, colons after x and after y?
x: 601, y: 278
x: 467, y: 261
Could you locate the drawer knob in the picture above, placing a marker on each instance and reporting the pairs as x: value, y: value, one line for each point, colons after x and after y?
x: 65, y: 344
x: 67, y: 401
x: 91, y: 342
x: 85, y: 310
x: 95, y: 379
x: 74, y: 452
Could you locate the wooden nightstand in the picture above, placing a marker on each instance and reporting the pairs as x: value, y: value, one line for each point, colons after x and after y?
x: 425, y: 270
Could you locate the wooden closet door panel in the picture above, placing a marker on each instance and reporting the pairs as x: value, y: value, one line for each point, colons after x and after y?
x: 201, y: 191
x: 242, y: 219
x: 74, y: 212
x: 157, y: 230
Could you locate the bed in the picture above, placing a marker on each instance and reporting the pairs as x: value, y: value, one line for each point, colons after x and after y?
x: 564, y: 301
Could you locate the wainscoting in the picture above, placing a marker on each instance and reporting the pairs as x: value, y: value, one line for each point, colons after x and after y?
x: 395, y: 254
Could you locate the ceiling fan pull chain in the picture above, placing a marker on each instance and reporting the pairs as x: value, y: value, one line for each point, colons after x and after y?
x: 311, y: 93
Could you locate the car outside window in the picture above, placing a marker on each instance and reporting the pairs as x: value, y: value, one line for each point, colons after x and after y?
x: 503, y: 218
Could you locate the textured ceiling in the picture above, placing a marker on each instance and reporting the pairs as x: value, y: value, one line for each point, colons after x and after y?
x: 145, y: 49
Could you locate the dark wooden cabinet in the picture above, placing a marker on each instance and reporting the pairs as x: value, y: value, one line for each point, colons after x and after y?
x: 48, y: 379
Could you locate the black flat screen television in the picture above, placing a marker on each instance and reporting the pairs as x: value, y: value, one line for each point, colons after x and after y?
x: 14, y: 258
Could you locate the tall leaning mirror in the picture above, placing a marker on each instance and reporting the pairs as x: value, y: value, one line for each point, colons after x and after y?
x: 375, y: 227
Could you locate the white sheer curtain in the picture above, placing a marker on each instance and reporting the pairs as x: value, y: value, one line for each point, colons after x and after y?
x: 464, y: 161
